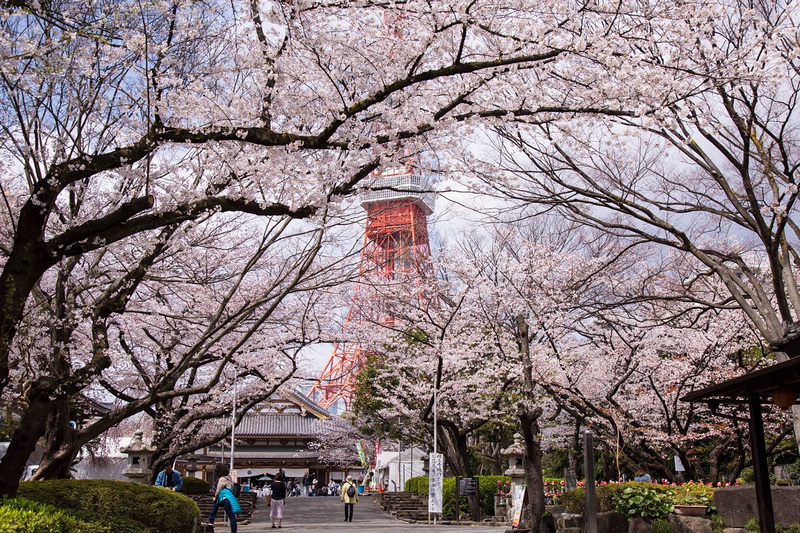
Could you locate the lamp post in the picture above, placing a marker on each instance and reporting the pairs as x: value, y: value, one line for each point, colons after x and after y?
x: 436, y: 472
x: 435, y: 438
x: 233, y: 421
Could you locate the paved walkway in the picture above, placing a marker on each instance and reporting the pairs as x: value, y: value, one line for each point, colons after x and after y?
x: 326, y: 514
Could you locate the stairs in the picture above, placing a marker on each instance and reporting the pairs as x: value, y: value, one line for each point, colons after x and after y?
x: 406, y: 506
x: 247, y: 501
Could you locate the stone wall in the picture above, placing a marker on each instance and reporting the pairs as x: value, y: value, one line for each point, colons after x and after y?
x: 737, y: 505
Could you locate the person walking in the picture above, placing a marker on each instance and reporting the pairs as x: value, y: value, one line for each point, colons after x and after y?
x: 225, y: 483
x: 278, y: 499
x: 349, y: 497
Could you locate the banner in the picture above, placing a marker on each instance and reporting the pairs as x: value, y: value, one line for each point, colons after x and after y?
x: 435, y: 481
x: 519, y: 498
x: 362, y: 454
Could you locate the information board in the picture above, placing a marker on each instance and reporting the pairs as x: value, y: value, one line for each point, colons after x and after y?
x: 467, y: 486
x: 435, y: 481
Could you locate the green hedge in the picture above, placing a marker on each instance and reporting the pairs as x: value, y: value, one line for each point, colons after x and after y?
x: 487, y: 487
x: 20, y: 515
x: 194, y: 485
x: 155, y: 507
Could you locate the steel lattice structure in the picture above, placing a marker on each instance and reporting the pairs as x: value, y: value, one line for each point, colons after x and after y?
x: 398, y: 203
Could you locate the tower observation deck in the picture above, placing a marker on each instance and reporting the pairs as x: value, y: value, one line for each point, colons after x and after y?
x: 398, y: 202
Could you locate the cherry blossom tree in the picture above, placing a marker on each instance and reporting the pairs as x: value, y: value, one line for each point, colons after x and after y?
x: 218, y: 297
x: 120, y: 119
x: 710, y: 172
x: 429, y: 360
x: 598, y: 337
x: 336, y: 444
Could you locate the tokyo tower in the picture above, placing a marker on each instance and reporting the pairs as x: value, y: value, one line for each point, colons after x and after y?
x: 398, y: 203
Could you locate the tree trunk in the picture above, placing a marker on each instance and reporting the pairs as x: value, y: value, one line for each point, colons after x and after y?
x: 457, y: 448
x: 19, y: 275
x: 532, y: 463
x: 532, y: 460
x: 23, y: 442
x: 60, y: 444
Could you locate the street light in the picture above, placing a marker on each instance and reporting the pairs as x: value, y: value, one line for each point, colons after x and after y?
x: 233, y: 420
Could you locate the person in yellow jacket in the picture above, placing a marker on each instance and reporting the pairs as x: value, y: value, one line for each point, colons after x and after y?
x: 349, y: 496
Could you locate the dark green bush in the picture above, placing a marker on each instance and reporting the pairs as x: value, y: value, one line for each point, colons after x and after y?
x: 20, y: 515
x: 194, y: 485
x: 417, y: 484
x: 487, y: 487
x: 155, y: 507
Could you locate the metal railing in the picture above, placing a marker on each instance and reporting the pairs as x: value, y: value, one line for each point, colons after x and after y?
x: 398, y: 185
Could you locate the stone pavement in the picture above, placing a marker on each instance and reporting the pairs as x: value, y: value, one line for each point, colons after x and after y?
x: 326, y: 514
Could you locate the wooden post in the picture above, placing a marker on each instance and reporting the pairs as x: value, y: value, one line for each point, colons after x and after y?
x: 588, y: 475
x: 458, y: 500
x: 766, y: 514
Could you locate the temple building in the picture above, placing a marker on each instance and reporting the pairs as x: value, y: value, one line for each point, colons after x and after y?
x: 271, y: 437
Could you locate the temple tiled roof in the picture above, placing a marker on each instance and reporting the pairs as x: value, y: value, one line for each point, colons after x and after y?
x: 309, y: 404
x: 245, y: 453
x: 280, y: 425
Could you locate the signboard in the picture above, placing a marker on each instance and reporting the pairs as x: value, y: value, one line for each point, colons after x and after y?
x: 467, y: 486
x: 435, y: 481
x: 679, y: 465
x: 519, y: 497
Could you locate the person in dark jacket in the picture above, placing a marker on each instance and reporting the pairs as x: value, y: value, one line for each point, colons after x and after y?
x: 308, y: 479
x: 278, y: 499
x: 170, y: 479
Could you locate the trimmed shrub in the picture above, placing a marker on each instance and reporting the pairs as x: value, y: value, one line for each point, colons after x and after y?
x: 194, y: 485
x: 417, y: 484
x: 155, y: 507
x: 487, y: 488
x: 20, y: 515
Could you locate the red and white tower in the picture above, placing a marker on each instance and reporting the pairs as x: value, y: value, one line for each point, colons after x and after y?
x: 398, y: 203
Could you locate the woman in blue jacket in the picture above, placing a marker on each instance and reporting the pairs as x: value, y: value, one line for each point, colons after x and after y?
x: 224, y: 497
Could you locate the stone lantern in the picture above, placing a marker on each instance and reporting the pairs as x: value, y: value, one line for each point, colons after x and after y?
x: 140, y: 456
x: 191, y: 466
x: 515, y: 470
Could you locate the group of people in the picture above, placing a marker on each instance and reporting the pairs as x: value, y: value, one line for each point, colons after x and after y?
x: 224, y: 495
x: 279, y: 491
